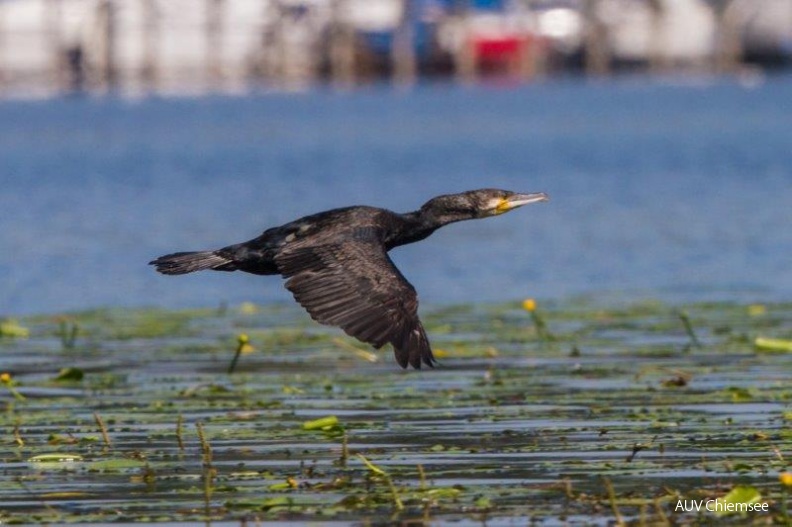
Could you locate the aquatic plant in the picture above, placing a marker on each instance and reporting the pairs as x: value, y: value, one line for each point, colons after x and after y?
x: 507, y: 427
x: 7, y: 381
x: 12, y: 328
x: 685, y: 318
x: 377, y: 473
x: 67, y: 331
x: 243, y: 346
x: 530, y: 305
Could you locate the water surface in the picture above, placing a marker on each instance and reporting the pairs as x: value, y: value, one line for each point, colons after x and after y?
x: 657, y: 188
x: 509, y: 429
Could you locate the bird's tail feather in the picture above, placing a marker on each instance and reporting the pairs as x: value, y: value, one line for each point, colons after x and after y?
x: 189, y: 262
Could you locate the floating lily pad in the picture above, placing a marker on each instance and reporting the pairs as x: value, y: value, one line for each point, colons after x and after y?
x: 55, y: 458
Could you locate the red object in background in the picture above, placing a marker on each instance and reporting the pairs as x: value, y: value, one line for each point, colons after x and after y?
x: 498, y: 49
x: 505, y: 54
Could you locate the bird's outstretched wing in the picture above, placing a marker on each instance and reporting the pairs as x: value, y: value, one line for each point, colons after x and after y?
x: 354, y: 284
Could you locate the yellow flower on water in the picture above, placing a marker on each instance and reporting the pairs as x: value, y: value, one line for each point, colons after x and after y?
x: 244, y: 344
x: 529, y: 304
x: 756, y: 310
x: 5, y: 380
x: 786, y: 479
x: 248, y: 308
x: 440, y: 353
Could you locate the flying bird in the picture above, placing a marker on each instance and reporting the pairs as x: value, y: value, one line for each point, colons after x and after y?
x: 337, y: 267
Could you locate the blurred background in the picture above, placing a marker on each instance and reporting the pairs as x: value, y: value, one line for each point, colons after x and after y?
x: 660, y: 128
x: 195, y: 46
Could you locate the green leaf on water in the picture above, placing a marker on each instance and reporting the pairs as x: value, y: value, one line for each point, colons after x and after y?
x: 329, y: 424
x: 211, y: 389
x: 11, y: 328
x: 773, y: 345
x: 737, y: 500
x: 483, y: 503
x: 322, y: 422
x: 68, y: 495
x: 265, y: 504
x: 443, y: 493
x: 285, y: 485
x: 55, y: 458
x: 739, y: 394
x: 69, y: 374
x: 117, y: 464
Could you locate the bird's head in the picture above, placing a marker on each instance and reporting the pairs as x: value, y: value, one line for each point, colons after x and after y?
x: 478, y: 204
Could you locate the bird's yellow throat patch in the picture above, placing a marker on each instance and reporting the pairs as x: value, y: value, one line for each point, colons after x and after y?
x: 502, y: 206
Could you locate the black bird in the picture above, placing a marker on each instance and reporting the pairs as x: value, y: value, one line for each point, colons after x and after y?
x: 338, y: 268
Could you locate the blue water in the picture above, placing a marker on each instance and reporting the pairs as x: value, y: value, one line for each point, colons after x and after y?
x: 657, y: 188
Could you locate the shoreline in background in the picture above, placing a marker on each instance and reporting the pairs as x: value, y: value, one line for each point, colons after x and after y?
x: 139, y: 47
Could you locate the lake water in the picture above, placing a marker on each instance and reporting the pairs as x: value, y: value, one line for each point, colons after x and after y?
x: 680, y: 189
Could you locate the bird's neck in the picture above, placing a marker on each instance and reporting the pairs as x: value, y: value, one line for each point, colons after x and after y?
x: 415, y: 226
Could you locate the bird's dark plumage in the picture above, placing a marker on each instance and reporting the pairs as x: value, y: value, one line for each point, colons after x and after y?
x: 337, y: 266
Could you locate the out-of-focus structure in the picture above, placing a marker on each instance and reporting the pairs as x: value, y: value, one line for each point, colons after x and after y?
x: 187, y: 46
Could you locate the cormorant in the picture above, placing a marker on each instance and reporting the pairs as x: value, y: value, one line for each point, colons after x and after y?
x: 337, y: 266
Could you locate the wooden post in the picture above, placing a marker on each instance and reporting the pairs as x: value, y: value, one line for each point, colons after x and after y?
x: 657, y: 58
x: 342, y: 46
x: 52, y: 28
x: 596, y: 40
x: 3, y: 73
x: 215, y: 10
x: 403, y: 48
x: 263, y: 64
x: 107, y: 18
x: 464, y: 54
x: 149, y: 71
x: 532, y: 49
x: 256, y: 65
x: 278, y: 55
x: 729, y: 50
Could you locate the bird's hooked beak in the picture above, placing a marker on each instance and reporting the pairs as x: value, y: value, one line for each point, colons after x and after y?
x: 518, y: 200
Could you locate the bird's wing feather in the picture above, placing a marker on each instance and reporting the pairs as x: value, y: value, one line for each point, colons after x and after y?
x: 354, y: 284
